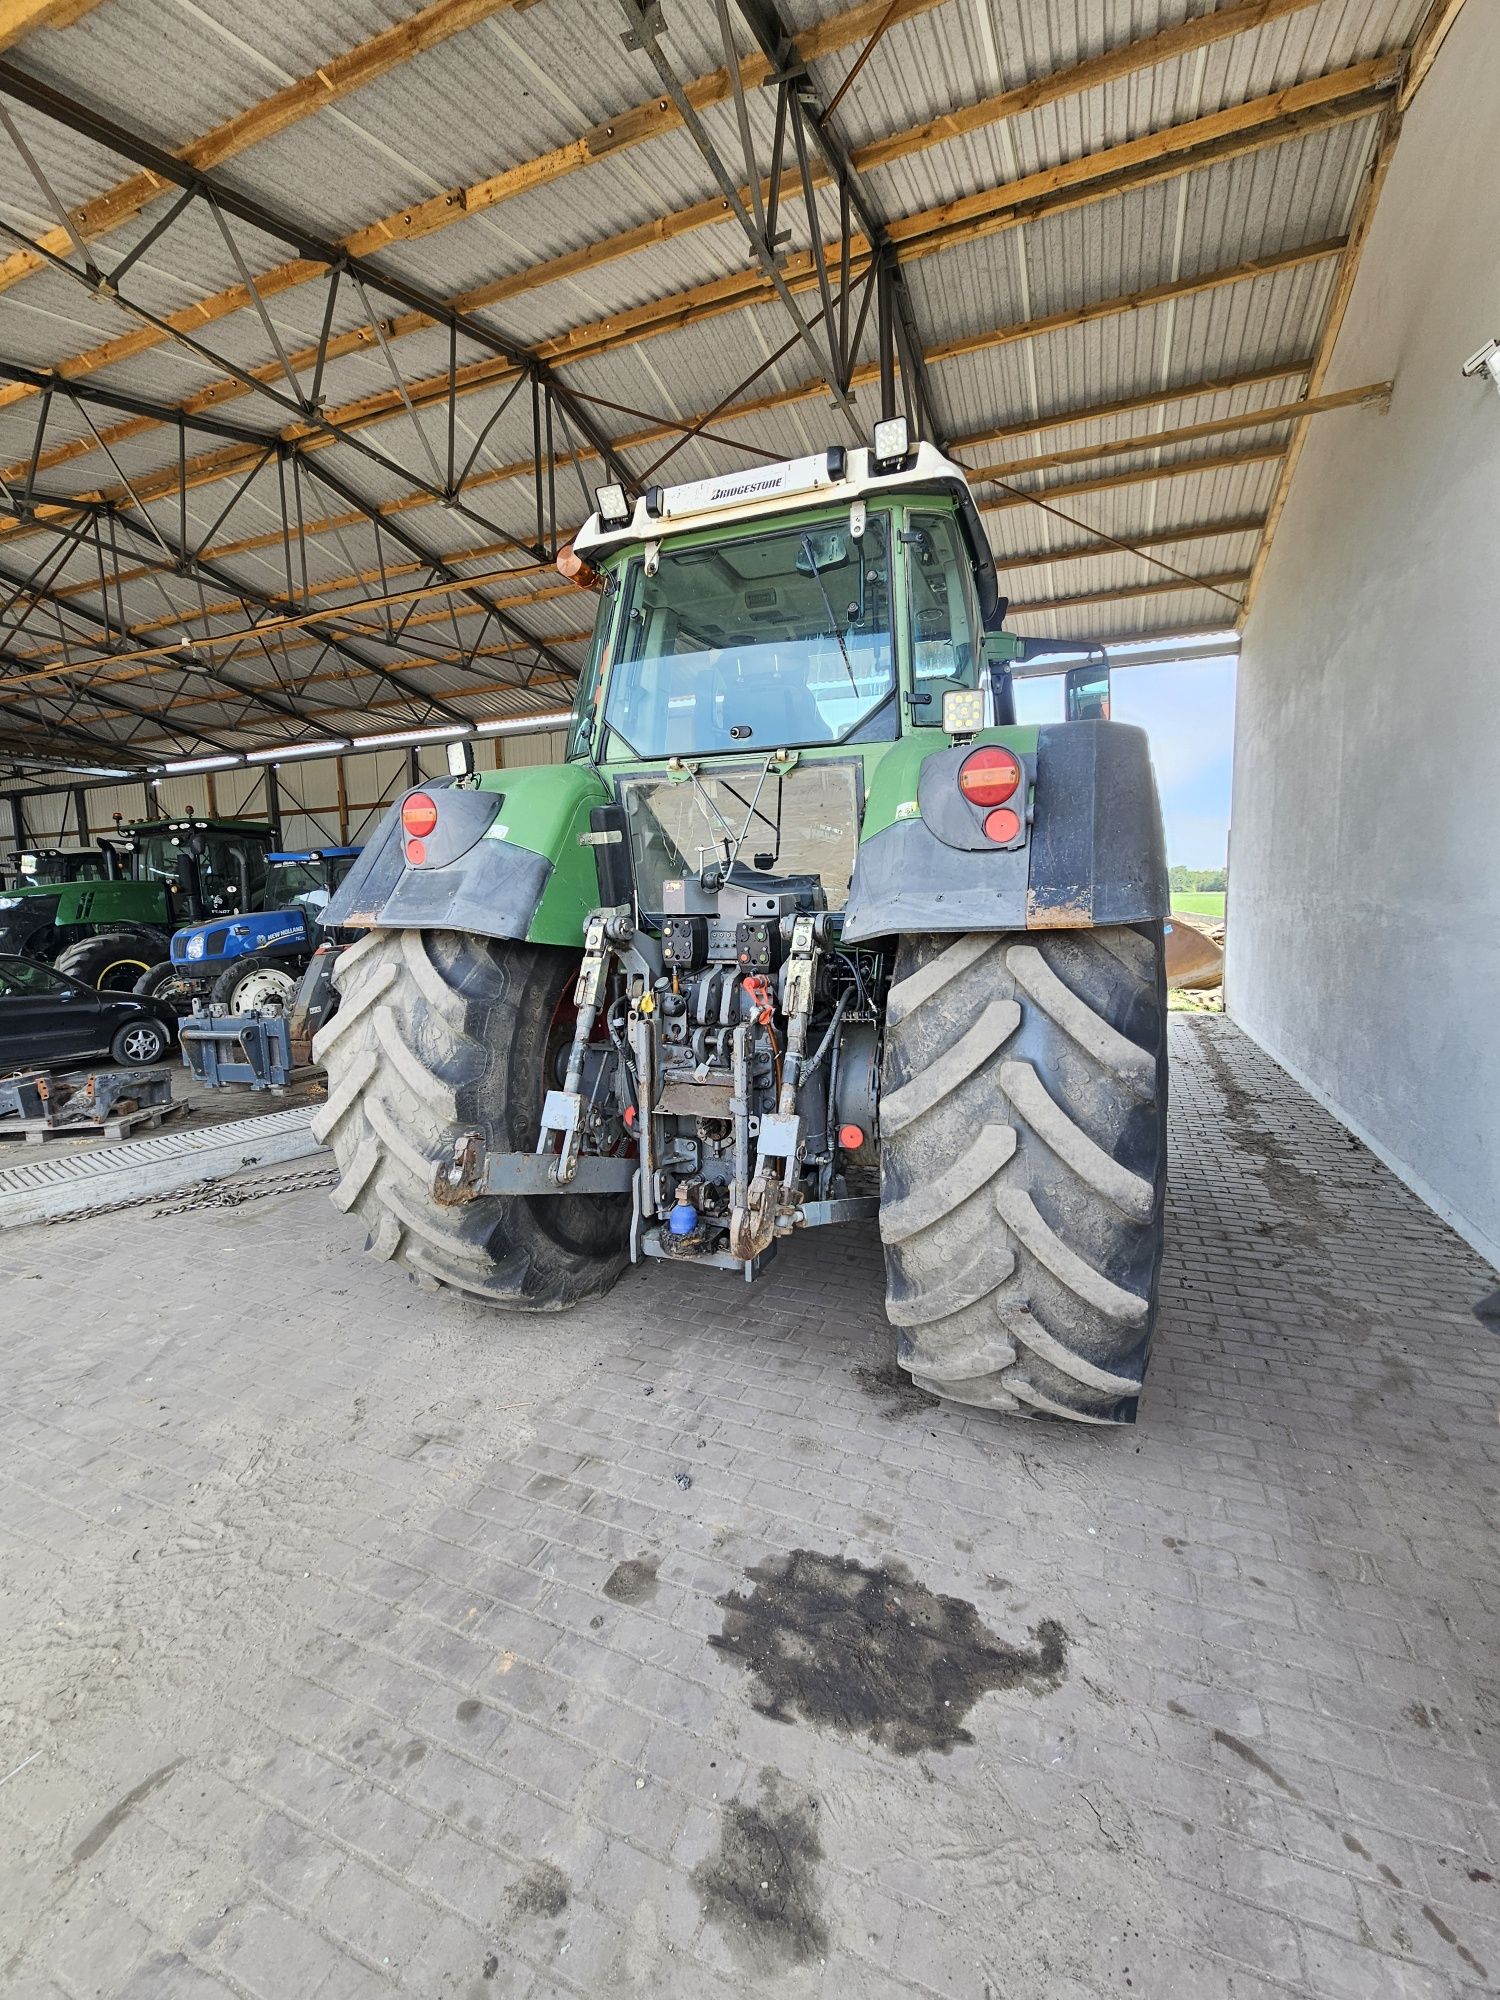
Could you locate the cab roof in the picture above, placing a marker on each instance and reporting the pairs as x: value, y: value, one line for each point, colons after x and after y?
x: 312, y: 853
x: 836, y: 477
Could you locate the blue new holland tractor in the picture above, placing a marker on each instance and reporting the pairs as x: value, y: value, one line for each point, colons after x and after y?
x: 257, y: 959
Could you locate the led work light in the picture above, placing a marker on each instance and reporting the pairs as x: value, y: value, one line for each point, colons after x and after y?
x: 614, y: 508
x: 892, y: 442
x: 963, y: 711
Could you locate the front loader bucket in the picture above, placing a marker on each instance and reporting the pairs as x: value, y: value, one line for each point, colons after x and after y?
x: 1195, y: 957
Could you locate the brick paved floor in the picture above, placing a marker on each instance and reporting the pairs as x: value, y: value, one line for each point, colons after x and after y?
x: 312, y: 1686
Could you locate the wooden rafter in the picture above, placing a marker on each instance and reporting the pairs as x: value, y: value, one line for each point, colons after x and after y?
x: 1426, y: 43
x: 1337, y: 97
x: 1428, y: 39
x: 1121, y: 406
x: 1218, y: 580
x: 1275, y: 413
x: 1105, y: 482
x: 233, y: 461
x: 314, y: 92
x: 19, y: 18
x: 1161, y: 538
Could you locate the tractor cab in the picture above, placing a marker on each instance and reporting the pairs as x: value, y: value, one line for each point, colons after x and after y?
x: 106, y: 916
x: 201, y: 867
x: 254, y: 957
x: 43, y: 867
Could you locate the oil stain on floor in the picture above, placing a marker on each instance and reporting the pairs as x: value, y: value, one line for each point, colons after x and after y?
x: 873, y: 1652
x: 632, y: 1581
x: 761, y: 1887
x: 893, y: 1386
x: 542, y: 1892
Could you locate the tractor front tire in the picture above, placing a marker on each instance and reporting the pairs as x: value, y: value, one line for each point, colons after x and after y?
x: 261, y: 980
x: 169, y: 982
x: 113, y: 961
x: 1023, y: 1166
x: 439, y: 1033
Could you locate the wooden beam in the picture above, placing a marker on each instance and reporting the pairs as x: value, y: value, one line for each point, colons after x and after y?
x: 1119, y: 406
x: 1122, y: 60
x: 1338, y: 305
x: 1179, y: 468
x: 309, y: 94
x: 19, y: 18
x: 1428, y: 39
x: 373, y: 59
x: 1185, y: 38
x: 1163, y: 538
x: 225, y: 697
x: 1262, y: 121
x: 214, y: 642
x: 230, y: 461
x: 1276, y: 413
x: 1431, y: 33
x: 1221, y: 580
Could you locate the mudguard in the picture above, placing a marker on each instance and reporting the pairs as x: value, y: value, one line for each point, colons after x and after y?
x: 1095, y: 853
x: 504, y: 860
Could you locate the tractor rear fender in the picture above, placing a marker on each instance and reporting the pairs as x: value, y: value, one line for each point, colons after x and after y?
x: 1092, y: 854
x: 503, y: 860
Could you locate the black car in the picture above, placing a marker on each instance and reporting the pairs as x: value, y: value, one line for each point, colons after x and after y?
x: 48, y: 1020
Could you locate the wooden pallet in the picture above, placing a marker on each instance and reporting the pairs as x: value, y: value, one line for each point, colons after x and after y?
x: 118, y: 1125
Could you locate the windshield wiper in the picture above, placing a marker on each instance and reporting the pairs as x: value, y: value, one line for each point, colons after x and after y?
x: 833, y: 623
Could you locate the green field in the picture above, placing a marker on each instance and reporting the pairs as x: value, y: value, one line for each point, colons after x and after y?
x: 1199, y: 902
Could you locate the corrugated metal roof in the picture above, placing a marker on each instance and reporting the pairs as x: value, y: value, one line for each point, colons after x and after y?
x: 514, y: 95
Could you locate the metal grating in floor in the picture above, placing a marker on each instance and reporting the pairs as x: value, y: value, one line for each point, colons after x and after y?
x: 34, y: 1190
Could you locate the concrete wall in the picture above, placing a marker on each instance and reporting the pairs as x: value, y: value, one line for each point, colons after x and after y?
x: 1364, y: 911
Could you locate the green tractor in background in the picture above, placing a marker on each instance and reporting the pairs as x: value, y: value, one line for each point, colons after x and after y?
x: 805, y: 930
x: 105, y: 917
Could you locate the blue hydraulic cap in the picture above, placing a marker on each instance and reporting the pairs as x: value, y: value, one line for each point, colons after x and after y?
x: 683, y: 1220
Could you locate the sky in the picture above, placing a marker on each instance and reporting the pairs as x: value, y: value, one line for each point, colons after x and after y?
x: 1188, y: 712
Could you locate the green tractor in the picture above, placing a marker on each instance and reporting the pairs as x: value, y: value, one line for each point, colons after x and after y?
x: 106, y: 916
x: 806, y: 930
x: 35, y: 867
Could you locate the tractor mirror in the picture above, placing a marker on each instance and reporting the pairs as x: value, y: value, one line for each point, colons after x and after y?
x: 1086, y: 692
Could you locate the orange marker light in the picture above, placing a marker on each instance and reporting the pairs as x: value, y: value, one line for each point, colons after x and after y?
x: 989, y: 776
x: 419, y: 815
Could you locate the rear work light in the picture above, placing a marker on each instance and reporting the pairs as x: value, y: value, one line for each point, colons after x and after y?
x: 419, y: 815
x: 989, y: 776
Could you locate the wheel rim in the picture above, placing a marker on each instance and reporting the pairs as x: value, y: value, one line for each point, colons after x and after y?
x: 265, y: 987
x: 141, y: 1045
x: 120, y: 975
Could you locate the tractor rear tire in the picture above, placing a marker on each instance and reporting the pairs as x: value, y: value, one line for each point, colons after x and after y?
x: 1023, y: 1166
x: 113, y: 961
x: 438, y: 1033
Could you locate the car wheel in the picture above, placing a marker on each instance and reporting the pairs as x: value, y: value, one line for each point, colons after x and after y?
x: 139, y: 1044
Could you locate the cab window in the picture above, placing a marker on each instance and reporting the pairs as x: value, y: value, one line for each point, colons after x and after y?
x: 943, y: 617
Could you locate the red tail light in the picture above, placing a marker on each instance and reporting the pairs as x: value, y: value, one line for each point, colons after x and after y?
x: 989, y: 776
x: 419, y: 815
